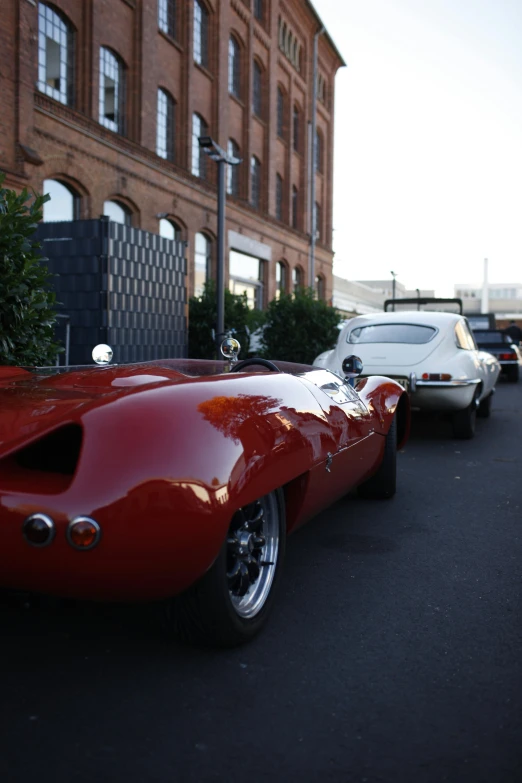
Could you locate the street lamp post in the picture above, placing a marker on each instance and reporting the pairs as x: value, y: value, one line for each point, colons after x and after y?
x: 394, y: 275
x: 218, y: 154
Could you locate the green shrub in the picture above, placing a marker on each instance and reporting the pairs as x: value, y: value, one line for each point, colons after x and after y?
x: 203, y: 319
x: 26, y: 304
x: 299, y: 327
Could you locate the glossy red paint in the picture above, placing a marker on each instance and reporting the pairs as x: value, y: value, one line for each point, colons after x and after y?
x: 161, y: 460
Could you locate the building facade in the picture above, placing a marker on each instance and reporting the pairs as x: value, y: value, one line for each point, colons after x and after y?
x: 504, y: 299
x: 103, y: 102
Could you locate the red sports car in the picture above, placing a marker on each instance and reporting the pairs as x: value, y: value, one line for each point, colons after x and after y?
x: 180, y: 479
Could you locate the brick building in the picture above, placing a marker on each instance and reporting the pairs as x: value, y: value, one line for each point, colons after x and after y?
x: 103, y: 101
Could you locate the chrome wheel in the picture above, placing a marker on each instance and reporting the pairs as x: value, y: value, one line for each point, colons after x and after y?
x: 252, y: 550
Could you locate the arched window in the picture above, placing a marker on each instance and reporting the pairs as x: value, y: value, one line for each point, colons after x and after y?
x: 169, y: 229
x: 232, y: 171
x: 199, y: 159
x: 257, y: 90
x: 280, y: 112
x: 281, y: 279
x: 279, y: 197
x: 200, y: 34
x: 319, y: 286
x: 55, y: 55
x: 295, y: 206
x: 319, y: 151
x: 165, y: 125
x: 64, y: 203
x: 167, y: 17
x: 296, y: 127
x: 255, y: 176
x: 234, y: 67
x: 202, y: 259
x: 297, y: 278
x: 117, y: 212
x: 112, y: 91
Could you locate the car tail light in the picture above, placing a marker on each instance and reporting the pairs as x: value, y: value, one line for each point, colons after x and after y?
x: 38, y: 530
x: 507, y: 357
x: 83, y: 533
x: 436, y: 376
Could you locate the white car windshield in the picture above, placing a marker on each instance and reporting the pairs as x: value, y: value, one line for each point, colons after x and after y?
x: 392, y: 333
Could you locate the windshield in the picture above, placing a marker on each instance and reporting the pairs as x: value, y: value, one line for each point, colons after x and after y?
x: 392, y: 333
x: 492, y: 337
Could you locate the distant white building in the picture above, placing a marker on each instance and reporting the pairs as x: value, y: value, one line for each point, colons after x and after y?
x: 504, y: 298
x: 356, y: 297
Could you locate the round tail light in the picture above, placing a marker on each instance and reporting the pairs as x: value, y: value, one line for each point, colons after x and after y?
x: 38, y: 530
x: 83, y: 533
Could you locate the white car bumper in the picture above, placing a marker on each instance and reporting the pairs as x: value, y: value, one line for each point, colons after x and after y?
x: 451, y: 395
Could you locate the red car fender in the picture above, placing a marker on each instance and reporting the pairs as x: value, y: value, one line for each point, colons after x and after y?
x: 387, y: 398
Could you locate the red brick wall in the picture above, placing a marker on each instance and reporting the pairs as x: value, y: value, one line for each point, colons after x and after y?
x: 69, y: 144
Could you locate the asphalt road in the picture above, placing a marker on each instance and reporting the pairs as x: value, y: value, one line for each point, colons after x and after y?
x: 394, y: 653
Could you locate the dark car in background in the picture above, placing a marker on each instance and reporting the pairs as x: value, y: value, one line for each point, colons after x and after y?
x: 501, y: 345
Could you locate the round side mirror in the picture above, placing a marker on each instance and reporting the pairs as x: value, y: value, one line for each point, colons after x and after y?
x: 102, y: 354
x: 230, y: 349
x: 352, y: 367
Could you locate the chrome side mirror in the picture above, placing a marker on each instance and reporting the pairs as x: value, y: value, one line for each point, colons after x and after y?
x: 102, y: 354
x: 230, y: 349
x: 352, y: 366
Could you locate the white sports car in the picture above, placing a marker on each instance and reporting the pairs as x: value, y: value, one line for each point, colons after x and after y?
x: 431, y: 354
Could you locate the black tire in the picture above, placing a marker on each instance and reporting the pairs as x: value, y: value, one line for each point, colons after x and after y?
x: 209, y: 612
x: 383, y: 484
x: 512, y: 374
x: 484, y: 409
x: 464, y: 422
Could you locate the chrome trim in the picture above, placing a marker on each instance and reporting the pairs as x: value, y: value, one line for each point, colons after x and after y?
x: 47, y: 521
x: 413, y: 382
x: 445, y: 384
x: 83, y: 519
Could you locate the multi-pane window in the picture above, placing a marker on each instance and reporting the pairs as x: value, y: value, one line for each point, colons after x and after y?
x: 281, y: 278
x: 255, y: 176
x: 319, y: 151
x: 64, y: 203
x: 202, y: 257
x: 280, y: 112
x: 55, y: 55
x: 234, y: 67
x: 317, y: 220
x: 199, y: 159
x: 259, y: 10
x: 279, y: 197
x: 200, y: 33
x: 297, y: 278
x: 319, y: 286
x: 295, y: 205
x: 165, y: 125
x: 167, y: 17
x: 257, y: 93
x: 296, y: 128
x: 112, y: 91
x: 117, y: 212
x: 232, y: 171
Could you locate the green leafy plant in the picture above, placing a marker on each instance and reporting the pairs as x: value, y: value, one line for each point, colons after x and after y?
x: 299, y: 327
x: 203, y: 319
x: 27, y: 314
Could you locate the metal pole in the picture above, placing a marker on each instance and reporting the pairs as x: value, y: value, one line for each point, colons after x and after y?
x: 311, y: 267
x: 220, y: 277
x: 393, y: 291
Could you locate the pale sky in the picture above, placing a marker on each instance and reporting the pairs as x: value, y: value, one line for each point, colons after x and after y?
x: 428, y: 140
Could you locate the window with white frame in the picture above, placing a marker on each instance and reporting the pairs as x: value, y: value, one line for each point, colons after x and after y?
x: 234, y: 67
x: 199, y: 159
x: 232, y: 171
x: 55, y: 55
x: 165, y: 125
x: 112, y: 91
x: 200, y: 33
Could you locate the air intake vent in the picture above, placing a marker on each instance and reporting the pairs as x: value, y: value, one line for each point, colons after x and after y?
x: 57, y: 452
